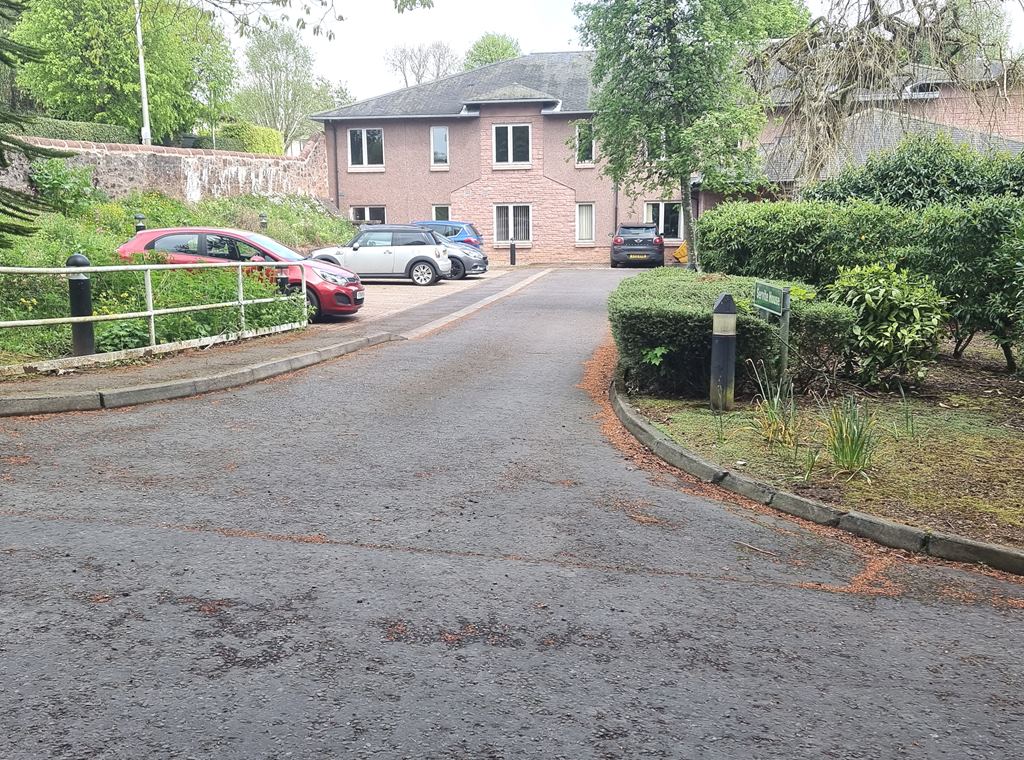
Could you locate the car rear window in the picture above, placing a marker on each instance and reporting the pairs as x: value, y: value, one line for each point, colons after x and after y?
x: 474, y: 230
x: 651, y: 231
x: 177, y: 244
x: 413, y: 238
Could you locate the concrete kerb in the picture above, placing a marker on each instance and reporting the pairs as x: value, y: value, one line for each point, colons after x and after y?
x: 877, y: 529
x: 113, y: 398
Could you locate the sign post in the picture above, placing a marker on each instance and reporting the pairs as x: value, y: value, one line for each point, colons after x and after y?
x: 772, y: 300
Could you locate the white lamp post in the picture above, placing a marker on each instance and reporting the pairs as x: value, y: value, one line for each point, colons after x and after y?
x: 147, y: 138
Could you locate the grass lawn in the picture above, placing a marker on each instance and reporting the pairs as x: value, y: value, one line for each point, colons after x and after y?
x: 949, y: 458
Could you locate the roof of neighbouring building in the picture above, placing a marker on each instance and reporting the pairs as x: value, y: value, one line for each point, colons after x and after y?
x: 871, y: 131
x: 560, y: 78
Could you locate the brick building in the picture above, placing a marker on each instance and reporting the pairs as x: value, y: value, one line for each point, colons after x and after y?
x: 506, y: 147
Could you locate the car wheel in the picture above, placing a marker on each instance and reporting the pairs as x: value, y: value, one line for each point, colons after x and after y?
x: 615, y: 264
x: 315, y: 312
x: 458, y: 269
x: 423, y: 273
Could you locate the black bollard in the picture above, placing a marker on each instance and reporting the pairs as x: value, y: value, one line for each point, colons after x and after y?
x: 140, y: 222
x: 264, y: 221
x: 512, y: 253
x: 83, y: 339
x: 723, y: 353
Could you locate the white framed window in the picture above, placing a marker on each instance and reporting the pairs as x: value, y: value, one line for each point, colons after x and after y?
x: 372, y: 214
x: 512, y: 144
x: 442, y: 213
x: 584, y: 222
x: 513, y: 222
x: 586, y: 147
x: 439, y: 147
x: 366, y: 149
x: 666, y: 215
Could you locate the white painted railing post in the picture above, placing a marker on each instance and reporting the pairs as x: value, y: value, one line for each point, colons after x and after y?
x: 241, y: 298
x: 147, y: 276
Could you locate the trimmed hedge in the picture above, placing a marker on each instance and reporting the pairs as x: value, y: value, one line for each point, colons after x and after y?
x: 85, y: 131
x: 800, y: 240
x: 251, y: 138
x: 664, y: 316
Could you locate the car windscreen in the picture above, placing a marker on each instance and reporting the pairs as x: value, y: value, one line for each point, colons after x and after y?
x: 283, y: 252
x: 440, y: 239
x: 638, y: 231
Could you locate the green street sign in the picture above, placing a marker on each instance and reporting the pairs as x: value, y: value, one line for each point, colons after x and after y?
x: 771, y: 298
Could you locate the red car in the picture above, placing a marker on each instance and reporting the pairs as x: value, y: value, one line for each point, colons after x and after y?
x: 330, y: 289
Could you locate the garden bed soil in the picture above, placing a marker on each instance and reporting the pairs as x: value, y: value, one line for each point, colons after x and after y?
x: 950, y: 458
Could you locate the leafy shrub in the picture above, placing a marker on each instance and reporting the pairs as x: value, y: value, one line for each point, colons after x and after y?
x: 920, y: 171
x: 64, y: 188
x: 900, y: 318
x: 971, y: 252
x: 801, y: 240
x: 252, y: 139
x: 58, y: 129
x: 670, y: 310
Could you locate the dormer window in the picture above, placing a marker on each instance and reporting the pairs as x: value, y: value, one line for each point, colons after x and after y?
x: 924, y: 88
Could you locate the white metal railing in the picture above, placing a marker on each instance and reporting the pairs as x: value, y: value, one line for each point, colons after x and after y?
x: 152, y: 313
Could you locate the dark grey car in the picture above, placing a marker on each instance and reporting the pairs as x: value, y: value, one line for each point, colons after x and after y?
x: 638, y: 244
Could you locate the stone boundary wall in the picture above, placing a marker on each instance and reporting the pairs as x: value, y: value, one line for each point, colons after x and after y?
x: 190, y: 174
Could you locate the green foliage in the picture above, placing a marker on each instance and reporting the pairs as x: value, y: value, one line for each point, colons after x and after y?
x: 64, y: 188
x: 697, y: 114
x: 667, y: 312
x: 491, y: 48
x: 804, y: 240
x: 280, y: 90
x: 971, y: 252
x: 774, y: 414
x: 850, y: 437
x: 84, y: 131
x: 782, y: 18
x: 250, y: 138
x: 90, y: 70
x: 900, y: 318
x: 924, y: 170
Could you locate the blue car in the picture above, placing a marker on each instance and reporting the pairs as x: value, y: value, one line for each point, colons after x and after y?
x: 460, y: 232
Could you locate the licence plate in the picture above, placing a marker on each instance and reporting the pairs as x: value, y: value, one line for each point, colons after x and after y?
x: 360, y: 295
x: 637, y: 256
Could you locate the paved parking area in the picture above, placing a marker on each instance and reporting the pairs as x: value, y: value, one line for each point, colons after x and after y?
x: 386, y: 297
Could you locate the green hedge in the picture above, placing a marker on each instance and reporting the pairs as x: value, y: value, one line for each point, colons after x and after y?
x: 924, y: 170
x: 661, y: 321
x: 800, y: 240
x: 78, y: 130
x: 251, y: 138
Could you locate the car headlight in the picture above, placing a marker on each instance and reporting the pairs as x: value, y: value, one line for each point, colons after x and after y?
x: 337, y: 279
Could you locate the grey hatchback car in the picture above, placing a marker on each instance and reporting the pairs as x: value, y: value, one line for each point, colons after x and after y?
x: 637, y: 244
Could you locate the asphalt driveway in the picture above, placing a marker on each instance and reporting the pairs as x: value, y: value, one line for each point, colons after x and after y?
x: 429, y: 549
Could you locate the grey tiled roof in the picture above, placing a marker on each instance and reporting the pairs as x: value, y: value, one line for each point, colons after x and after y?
x: 563, y: 77
x: 871, y: 131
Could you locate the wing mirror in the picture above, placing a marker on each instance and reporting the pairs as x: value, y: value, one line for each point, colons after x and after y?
x: 257, y: 259
x: 355, y: 246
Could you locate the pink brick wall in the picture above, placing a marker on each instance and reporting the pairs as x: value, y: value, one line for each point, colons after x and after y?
x: 189, y: 174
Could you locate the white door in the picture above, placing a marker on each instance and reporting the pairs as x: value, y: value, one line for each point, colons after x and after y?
x: 374, y: 255
x: 409, y: 245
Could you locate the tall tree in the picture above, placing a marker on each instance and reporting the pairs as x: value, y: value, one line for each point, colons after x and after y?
x: 17, y: 209
x: 89, y: 70
x: 781, y: 18
x: 669, y: 97
x: 491, y: 48
x: 279, y: 88
x: 216, y: 74
x: 423, y: 62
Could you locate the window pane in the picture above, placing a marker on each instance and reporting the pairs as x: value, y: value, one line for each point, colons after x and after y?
x: 355, y: 143
x: 377, y: 214
x: 501, y: 145
x: 219, y: 246
x: 652, y: 214
x: 520, y: 144
x: 178, y: 244
x: 441, y: 213
x: 439, y: 145
x: 584, y: 143
x: 585, y: 222
x: 358, y: 214
x: 375, y: 147
x: 671, y: 226
x: 246, y: 251
x: 375, y: 239
x: 501, y: 226
x: 412, y: 238
x: 521, y: 222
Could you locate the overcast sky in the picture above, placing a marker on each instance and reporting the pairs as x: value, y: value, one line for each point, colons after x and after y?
x: 356, y: 54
